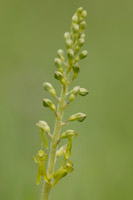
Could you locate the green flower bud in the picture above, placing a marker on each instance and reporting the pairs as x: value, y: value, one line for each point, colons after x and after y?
x: 67, y: 35
x: 81, y: 42
x: 78, y: 116
x: 76, y: 90
x: 82, y: 55
x: 73, y: 93
x: 43, y: 125
x: 79, y: 11
x: 48, y: 87
x: 84, y: 14
x: 82, y: 35
x: 69, y: 133
x: 58, y: 63
x: 75, y: 75
x: 83, y: 92
x: 76, y: 67
x: 59, y: 76
x: 69, y: 43
x: 82, y: 25
x: 70, y: 54
x: 61, y: 54
x: 77, y: 48
x: 49, y: 103
x: 75, y: 19
x: 75, y: 28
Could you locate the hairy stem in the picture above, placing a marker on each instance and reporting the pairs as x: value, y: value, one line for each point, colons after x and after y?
x: 54, y: 144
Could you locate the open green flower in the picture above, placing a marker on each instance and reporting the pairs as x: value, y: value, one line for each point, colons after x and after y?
x: 41, y: 159
x: 61, y: 172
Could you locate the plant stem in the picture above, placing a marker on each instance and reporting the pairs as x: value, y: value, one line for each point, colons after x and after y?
x: 52, y: 156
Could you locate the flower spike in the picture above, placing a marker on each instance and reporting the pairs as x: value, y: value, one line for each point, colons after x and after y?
x: 68, y: 68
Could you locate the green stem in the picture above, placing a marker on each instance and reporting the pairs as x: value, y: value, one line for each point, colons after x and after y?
x: 57, y: 129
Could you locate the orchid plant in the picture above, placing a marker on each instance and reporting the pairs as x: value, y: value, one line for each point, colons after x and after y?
x: 68, y: 68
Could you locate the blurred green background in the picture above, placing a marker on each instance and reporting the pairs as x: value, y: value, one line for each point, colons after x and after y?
x: 31, y: 33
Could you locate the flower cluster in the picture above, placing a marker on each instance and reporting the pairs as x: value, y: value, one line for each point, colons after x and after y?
x: 68, y: 68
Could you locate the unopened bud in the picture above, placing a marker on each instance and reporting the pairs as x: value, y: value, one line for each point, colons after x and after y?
x: 78, y: 116
x: 58, y: 62
x: 43, y: 125
x: 70, y: 54
x: 69, y: 43
x: 49, y: 103
x: 67, y: 35
x: 83, y: 92
x: 77, y: 48
x: 75, y: 28
x: 61, y: 54
x: 59, y: 76
x: 84, y: 14
x: 82, y: 55
x: 69, y: 133
x: 75, y: 75
x: 75, y: 19
x: 82, y: 25
x: 48, y: 87
x: 81, y: 42
x: 79, y: 11
x: 76, y: 67
x: 76, y: 90
x: 82, y: 35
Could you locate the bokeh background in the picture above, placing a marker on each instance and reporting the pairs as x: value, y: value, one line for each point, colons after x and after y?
x: 31, y: 33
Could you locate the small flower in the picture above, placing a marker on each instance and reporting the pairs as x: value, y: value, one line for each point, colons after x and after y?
x: 40, y: 159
